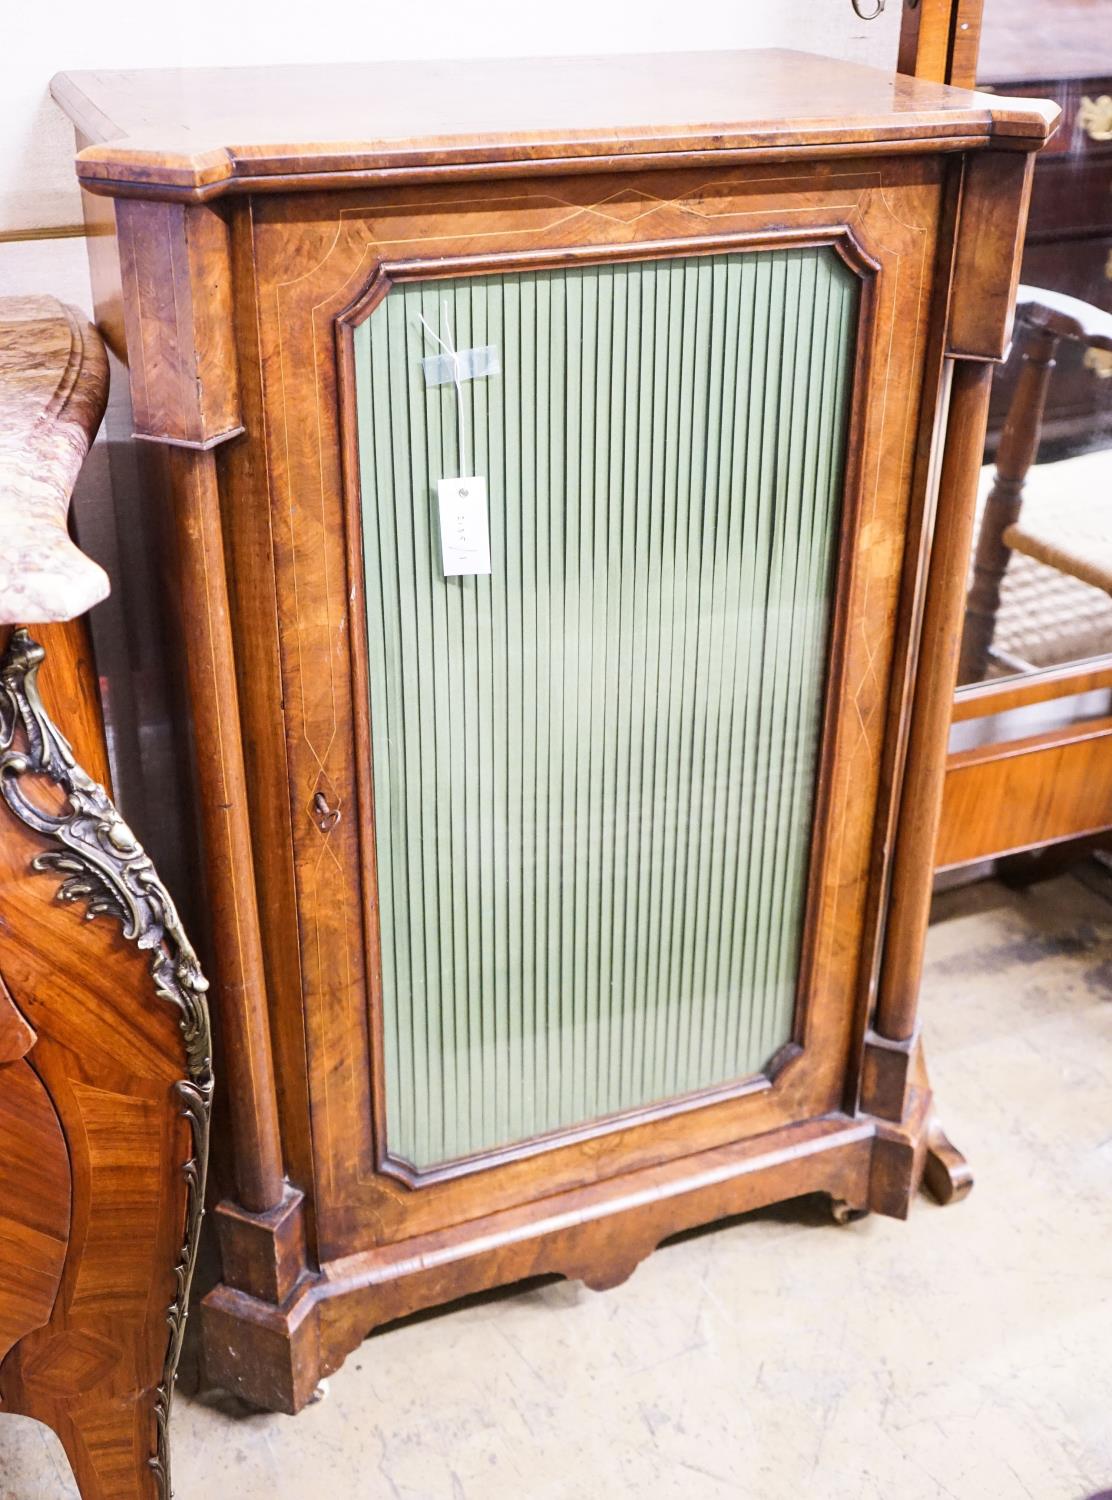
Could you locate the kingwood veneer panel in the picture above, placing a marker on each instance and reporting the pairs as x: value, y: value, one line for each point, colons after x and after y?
x: 594, y: 770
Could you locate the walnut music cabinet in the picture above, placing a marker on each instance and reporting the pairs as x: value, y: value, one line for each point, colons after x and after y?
x: 560, y: 906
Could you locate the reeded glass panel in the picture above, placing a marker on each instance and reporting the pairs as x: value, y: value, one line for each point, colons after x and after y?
x: 594, y: 769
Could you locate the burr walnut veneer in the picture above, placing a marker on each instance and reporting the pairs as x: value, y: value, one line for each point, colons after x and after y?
x: 560, y: 907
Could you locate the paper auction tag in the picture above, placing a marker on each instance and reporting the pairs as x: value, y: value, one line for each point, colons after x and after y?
x: 464, y: 527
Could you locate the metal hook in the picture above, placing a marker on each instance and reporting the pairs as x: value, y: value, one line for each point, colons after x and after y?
x: 871, y: 15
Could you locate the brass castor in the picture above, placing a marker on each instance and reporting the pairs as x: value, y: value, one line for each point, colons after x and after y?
x: 846, y: 1213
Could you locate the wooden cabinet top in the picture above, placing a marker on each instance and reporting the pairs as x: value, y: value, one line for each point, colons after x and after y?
x: 197, y: 133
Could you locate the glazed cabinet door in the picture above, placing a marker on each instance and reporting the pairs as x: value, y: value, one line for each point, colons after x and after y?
x: 595, y: 765
x: 582, y: 831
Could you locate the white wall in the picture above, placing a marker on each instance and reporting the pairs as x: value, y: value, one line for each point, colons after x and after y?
x: 42, y: 37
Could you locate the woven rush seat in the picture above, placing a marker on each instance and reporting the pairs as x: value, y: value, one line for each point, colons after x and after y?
x: 1072, y: 534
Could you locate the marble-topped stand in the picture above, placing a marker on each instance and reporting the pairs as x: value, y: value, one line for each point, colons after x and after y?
x: 53, y: 388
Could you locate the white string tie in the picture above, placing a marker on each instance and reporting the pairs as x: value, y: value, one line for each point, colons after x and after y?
x: 450, y: 350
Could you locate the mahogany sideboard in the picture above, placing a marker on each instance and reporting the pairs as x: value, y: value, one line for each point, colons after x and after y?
x: 573, y: 467
x: 105, y: 1074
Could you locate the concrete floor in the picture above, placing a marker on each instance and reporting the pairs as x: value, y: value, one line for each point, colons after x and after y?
x: 967, y: 1353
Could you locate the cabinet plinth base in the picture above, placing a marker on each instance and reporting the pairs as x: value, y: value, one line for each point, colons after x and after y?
x: 267, y: 1355
x: 263, y: 1254
x: 273, y: 1356
x: 916, y: 1152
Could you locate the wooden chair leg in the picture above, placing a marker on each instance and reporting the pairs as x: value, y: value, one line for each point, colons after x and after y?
x: 1019, y: 444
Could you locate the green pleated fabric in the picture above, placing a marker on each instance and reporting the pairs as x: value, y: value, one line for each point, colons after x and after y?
x: 594, y: 770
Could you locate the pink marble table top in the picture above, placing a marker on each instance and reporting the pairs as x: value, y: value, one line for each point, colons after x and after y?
x: 53, y: 387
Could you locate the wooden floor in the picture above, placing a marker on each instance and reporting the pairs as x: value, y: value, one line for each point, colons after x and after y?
x: 965, y: 1354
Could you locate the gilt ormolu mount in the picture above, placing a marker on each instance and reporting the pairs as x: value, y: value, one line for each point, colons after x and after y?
x: 104, y: 869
